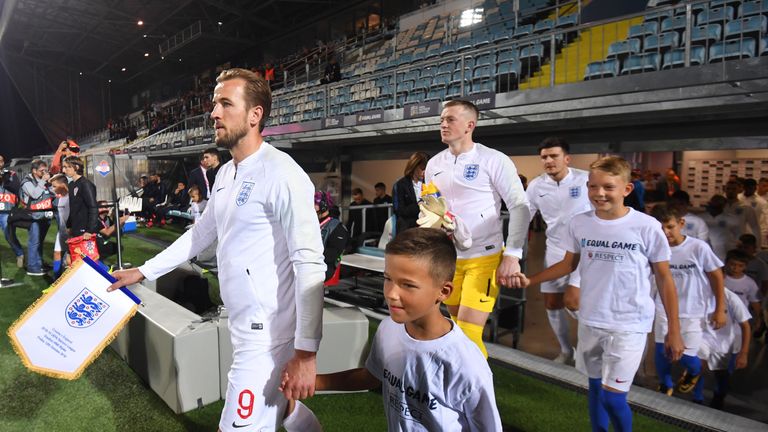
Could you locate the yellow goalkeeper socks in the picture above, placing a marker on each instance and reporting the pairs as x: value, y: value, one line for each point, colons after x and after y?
x: 475, y: 333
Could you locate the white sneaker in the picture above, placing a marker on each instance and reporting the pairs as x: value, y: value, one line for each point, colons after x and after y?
x: 20, y: 261
x: 564, y: 358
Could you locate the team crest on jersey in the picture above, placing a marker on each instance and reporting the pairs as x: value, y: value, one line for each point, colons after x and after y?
x: 574, y: 192
x: 245, y: 193
x: 471, y: 171
x: 85, y: 309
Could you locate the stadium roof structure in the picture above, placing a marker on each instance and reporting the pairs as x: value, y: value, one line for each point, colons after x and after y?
x: 101, y: 38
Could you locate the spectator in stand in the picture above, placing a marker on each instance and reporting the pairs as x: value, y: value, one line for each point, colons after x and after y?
x: 381, y: 214
x: 332, y: 72
x: 407, y: 191
x: 197, y: 177
x: 67, y: 148
x: 269, y: 73
x: 213, y: 163
x: 38, y: 198
x: 668, y: 186
x: 636, y: 198
x: 83, y: 208
x: 355, y: 223
x: 9, y: 196
x: 177, y: 200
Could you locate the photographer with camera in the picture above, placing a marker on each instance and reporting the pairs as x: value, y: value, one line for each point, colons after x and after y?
x: 37, y: 196
x: 9, y: 196
x: 67, y: 148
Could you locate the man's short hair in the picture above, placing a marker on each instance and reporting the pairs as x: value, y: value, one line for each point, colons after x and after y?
x: 680, y: 196
x: 194, y: 188
x: 430, y: 245
x: 554, y: 141
x: 750, y: 182
x: 379, y: 185
x: 357, y: 191
x: 665, y: 213
x: 213, y: 151
x: 467, y: 105
x: 76, y: 163
x: 613, y: 165
x: 748, y: 240
x: 737, y: 255
x: 37, y: 163
x: 257, y: 92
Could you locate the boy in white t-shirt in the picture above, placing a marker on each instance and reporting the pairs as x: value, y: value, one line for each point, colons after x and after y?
x: 697, y: 273
x: 742, y: 285
x: 615, y: 248
x: 757, y: 269
x: 434, y: 377
x: 725, y: 349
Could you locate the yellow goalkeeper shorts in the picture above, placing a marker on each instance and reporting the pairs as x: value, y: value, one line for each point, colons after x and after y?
x: 474, y: 284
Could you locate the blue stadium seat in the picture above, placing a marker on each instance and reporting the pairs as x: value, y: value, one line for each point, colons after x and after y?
x: 763, y: 50
x: 500, y: 33
x: 662, y: 42
x: 417, y: 56
x: 648, y: 62
x: 428, y: 71
x: 404, y: 86
x: 457, y: 76
x: 543, y: 26
x: 721, y: 14
x: 602, y: 69
x: 483, y: 87
x: 404, y: 58
x: 432, y: 53
x: 481, y: 72
x: 623, y: 48
x: 447, y: 49
x: 695, y: 8
x: 411, y: 75
x: 422, y: 83
x: 753, y: 26
x: 441, y: 80
x: 532, y: 53
x: 464, y: 42
x: 706, y: 34
x: 505, y: 56
x: 753, y: 8
x: 415, y: 97
x: 437, y: 94
x: 509, y: 68
x: 483, y: 59
x: 481, y: 40
x: 454, y: 91
x: 446, y: 67
x: 658, y: 16
x: 567, y: 20
x: 732, y: 49
x: 644, y: 29
x: 675, y: 23
x: 523, y: 31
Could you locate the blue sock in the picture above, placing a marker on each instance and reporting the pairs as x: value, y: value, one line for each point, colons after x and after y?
x: 597, y: 415
x: 663, y: 366
x: 698, y: 391
x: 56, y: 266
x: 692, y: 364
x: 618, y: 410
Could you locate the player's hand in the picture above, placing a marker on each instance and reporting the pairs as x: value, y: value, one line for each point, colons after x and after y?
x: 673, y: 343
x: 718, y: 319
x: 87, y: 236
x: 508, y: 272
x: 126, y: 277
x: 742, y: 360
x: 300, y: 373
x: 428, y: 219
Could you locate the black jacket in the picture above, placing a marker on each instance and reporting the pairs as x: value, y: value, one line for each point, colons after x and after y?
x: 405, y: 204
x: 210, y: 174
x: 83, y: 208
x: 197, y: 178
x: 335, y: 238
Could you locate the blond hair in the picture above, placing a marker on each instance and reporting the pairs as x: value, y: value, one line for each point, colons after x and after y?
x: 613, y: 165
x: 257, y: 92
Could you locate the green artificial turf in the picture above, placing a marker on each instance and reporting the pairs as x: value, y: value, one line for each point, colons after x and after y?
x: 110, y: 397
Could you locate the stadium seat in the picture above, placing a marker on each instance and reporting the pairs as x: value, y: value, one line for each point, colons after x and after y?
x: 695, y: 8
x: 481, y: 40
x: 446, y: 67
x: 763, y: 50
x: 441, y: 80
x: 648, y: 62
x: 662, y: 42
x: 623, y: 48
x: 487, y: 86
x: 415, y: 97
x: 481, y: 73
x: 706, y: 34
x: 458, y: 76
x: 454, y: 91
x: 523, y: 31
x: 505, y: 56
x: 732, y: 49
x: 721, y: 14
x: 644, y: 29
x: 753, y: 8
x: 428, y: 71
x: 509, y: 68
x: 602, y: 69
x: 437, y: 94
x: 533, y: 53
x: 567, y: 21
x: 464, y: 42
x: 753, y: 26
x: 447, y: 49
x: 543, y: 26
x: 483, y: 59
x: 658, y: 16
x: 676, y: 23
x: 422, y: 83
x: 404, y: 86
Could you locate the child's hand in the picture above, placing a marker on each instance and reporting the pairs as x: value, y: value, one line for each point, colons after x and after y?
x: 284, y: 381
x: 519, y: 280
x: 718, y: 319
x: 742, y: 359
